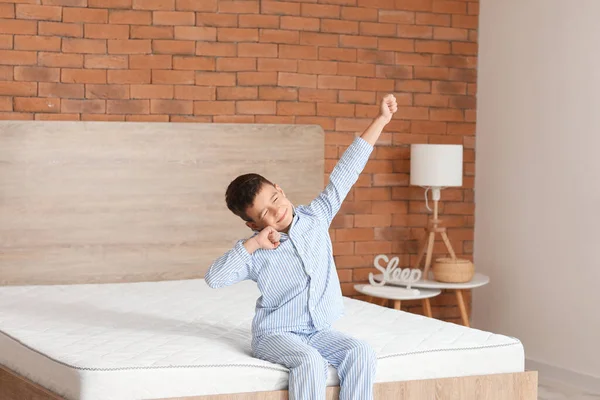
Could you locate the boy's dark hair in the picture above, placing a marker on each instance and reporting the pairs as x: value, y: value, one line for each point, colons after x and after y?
x: 241, y: 193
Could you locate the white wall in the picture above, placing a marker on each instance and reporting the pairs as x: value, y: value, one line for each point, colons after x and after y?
x: 537, y: 228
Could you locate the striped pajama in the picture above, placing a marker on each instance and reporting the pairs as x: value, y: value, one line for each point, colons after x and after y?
x: 307, y: 355
x: 301, y: 295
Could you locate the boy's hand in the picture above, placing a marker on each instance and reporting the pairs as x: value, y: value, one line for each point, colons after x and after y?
x: 268, y: 239
x: 388, y: 107
x: 273, y: 237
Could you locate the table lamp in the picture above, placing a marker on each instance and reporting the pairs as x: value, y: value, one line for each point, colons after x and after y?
x: 435, y: 167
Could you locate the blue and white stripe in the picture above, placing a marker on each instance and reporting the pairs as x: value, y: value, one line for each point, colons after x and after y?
x: 307, y: 355
x: 299, y: 285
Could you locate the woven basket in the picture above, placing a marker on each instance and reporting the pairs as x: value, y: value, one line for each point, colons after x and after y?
x: 453, y: 271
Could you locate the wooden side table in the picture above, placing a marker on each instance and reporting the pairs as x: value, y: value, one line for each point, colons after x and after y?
x: 388, y: 292
x: 477, y: 281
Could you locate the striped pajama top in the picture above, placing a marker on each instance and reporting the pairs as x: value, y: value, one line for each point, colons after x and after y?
x: 298, y: 281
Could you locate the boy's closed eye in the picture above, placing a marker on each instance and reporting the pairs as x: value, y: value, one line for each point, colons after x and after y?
x: 264, y: 214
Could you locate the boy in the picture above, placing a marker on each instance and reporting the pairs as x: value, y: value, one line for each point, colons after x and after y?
x: 290, y: 258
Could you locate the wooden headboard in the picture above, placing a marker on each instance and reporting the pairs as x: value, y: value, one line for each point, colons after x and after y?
x: 91, y: 202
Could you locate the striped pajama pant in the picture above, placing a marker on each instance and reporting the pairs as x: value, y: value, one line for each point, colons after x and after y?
x: 307, y: 356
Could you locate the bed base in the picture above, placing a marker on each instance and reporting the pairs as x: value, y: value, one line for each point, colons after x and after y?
x: 510, y: 386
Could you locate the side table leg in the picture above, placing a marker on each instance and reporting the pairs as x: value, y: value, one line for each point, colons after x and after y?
x: 427, y: 308
x: 463, y: 309
x: 397, y: 304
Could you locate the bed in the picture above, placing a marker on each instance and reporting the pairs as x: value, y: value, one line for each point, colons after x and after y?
x: 106, y: 231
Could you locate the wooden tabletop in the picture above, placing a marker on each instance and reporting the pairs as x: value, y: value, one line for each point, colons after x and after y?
x: 395, y: 293
x: 477, y: 281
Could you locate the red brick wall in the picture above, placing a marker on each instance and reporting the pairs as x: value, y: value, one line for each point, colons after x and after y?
x: 312, y: 61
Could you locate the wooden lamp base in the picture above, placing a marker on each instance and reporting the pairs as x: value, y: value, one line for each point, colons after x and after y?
x: 426, y: 246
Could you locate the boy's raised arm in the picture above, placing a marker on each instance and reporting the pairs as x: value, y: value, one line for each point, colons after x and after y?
x: 387, y: 109
x: 353, y: 161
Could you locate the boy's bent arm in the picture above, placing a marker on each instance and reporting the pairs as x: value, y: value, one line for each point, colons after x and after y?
x: 232, y: 267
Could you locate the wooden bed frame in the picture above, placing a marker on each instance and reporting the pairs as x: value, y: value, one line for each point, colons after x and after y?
x: 129, y: 202
x: 522, y: 386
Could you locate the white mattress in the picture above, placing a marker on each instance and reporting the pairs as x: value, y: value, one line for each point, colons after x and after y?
x: 181, y: 338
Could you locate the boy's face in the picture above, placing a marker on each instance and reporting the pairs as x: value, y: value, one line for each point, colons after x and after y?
x: 271, y: 208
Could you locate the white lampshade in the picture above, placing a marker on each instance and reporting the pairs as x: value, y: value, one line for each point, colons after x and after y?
x: 436, y: 165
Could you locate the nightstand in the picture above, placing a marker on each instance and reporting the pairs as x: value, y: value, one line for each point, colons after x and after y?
x: 477, y: 281
x: 391, y: 293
